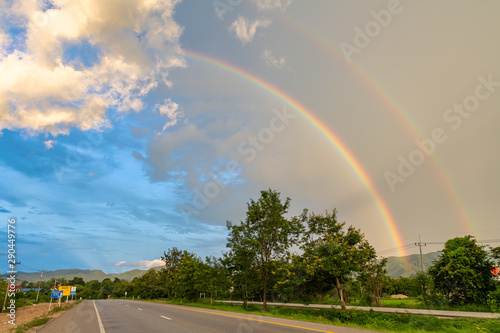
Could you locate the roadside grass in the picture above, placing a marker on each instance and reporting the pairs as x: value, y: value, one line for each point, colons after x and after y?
x: 413, y: 303
x: 384, y: 322
x: 37, y: 322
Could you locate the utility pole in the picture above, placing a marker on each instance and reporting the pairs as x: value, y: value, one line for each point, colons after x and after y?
x: 8, y: 284
x: 420, y: 244
x: 38, y: 292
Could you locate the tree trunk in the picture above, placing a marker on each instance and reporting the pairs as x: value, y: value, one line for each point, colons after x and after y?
x: 264, y: 281
x: 339, y: 289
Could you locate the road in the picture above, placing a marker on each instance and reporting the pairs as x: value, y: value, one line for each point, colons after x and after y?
x: 122, y: 316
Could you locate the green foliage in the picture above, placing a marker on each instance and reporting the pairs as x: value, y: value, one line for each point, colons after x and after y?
x: 331, y: 257
x: 190, y: 277
x: 172, y: 259
x: 495, y: 254
x: 34, y: 323
x: 463, y: 273
x: 263, y: 240
x: 372, y: 278
x: 76, y: 281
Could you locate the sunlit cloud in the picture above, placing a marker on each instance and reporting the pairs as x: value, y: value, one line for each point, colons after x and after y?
x: 272, y: 4
x: 49, y: 144
x: 272, y: 61
x: 47, y: 87
x: 142, y: 263
x: 245, y: 29
x: 171, y: 110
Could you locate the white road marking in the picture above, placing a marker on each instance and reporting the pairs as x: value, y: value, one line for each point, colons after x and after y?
x: 101, y: 328
x: 166, y: 317
x: 127, y: 305
x: 139, y: 309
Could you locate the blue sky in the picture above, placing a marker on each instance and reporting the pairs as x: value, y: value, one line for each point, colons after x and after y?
x: 116, y: 146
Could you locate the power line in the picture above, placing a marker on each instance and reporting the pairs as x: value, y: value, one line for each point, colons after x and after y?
x: 420, y: 244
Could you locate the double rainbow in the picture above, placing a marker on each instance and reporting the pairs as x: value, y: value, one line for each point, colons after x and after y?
x: 316, y: 122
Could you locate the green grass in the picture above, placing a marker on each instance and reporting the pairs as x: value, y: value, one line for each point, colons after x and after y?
x: 37, y: 322
x: 397, y: 303
x: 384, y: 322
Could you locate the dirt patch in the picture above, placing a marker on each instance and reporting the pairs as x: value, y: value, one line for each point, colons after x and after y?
x: 28, y: 313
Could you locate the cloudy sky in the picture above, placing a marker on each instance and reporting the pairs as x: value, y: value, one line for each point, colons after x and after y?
x: 130, y: 127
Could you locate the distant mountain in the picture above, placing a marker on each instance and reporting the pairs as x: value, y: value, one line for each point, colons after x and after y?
x: 85, y: 274
x: 396, y: 266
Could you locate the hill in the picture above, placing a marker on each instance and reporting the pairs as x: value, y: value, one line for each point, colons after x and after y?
x: 396, y: 265
x: 395, y: 268
x: 85, y: 274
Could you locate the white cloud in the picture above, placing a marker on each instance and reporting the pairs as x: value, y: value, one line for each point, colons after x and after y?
x: 171, y: 110
x: 272, y: 61
x: 49, y: 144
x: 245, y: 30
x: 142, y: 263
x: 4, y: 39
x: 41, y: 93
x: 271, y: 4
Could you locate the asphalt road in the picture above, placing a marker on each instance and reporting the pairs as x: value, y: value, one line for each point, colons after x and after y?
x: 121, y: 316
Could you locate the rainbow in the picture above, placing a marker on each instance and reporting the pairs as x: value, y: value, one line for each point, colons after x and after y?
x: 397, y: 110
x: 316, y: 122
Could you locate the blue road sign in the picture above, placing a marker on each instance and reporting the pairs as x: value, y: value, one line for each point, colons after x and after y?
x: 56, y: 294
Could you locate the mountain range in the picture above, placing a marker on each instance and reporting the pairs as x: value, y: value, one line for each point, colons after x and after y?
x: 396, y: 267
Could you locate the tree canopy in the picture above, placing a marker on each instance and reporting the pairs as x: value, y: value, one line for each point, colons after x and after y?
x: 264, y: 238
x: 463, y: 272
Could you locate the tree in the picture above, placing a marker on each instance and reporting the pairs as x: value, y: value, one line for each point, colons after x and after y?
x: 463, y: 272
x: 190, y: 276
x: 495, y: 254
x: 216, y: 276
x: 172, y: 259
x: 265, y: 236
x: 332, y: 255
x: 76, y: 281
x: 372, y: 278
x: 243, y: 274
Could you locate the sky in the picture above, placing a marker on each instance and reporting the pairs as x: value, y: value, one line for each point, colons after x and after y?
x: 131, y: 127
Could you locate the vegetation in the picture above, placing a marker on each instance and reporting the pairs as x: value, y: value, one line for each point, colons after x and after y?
x: 385, y: 322
x: 262, y: 242
x: 335, y: 265
x: 463, y: 273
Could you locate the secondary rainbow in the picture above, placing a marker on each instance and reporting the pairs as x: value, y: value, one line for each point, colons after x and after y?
x: 456, y: 203
x: 316, y: 122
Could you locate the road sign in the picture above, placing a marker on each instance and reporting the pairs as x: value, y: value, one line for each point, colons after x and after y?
x: 66, y: 290
x: 56, y: 294
x: 73, y: 290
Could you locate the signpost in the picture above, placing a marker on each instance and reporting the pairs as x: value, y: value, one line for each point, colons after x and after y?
x: 55, y: 294
x: 73, y: 292
x: 66, y: 291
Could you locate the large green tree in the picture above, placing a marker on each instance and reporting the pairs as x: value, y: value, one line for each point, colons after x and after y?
x: 331, y: 254
x: 172, y: 259
x: 463, y: 272
x: 265, y: 236
x: 372, y: 279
